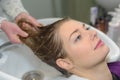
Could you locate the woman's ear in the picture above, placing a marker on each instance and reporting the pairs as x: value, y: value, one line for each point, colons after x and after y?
x: 64, y: 63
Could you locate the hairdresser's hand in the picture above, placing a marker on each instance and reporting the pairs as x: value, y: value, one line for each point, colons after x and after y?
x: 28, y: 18
x: 12, y: 31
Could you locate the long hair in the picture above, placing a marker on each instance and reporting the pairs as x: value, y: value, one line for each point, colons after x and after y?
x: 46, y: 43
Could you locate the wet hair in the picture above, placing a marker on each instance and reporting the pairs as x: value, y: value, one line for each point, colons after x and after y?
x: 46, y: 43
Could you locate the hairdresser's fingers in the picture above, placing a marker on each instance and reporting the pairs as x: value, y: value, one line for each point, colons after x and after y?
x: 28, y: 27
x: 14, y: 39
x: 21, y: 33
x: 33, y: 21
x: 28, y: 18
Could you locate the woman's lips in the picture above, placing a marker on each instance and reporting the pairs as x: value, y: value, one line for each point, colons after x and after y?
x: 99, y: 44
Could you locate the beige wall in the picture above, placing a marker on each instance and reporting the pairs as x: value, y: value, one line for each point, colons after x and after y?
x: 39, y: 8
x: 77, y: 9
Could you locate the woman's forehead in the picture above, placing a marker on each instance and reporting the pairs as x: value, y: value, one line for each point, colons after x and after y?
x: 71, y: 24
x: 69, y: 27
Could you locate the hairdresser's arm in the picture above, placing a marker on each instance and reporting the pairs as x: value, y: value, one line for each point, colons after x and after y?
x: 12, y: 7
x: 16, y: 11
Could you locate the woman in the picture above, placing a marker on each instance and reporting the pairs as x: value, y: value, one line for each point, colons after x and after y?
x: 72, y: 48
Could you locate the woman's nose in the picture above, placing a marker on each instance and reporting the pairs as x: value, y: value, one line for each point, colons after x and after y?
x: 93, y: 34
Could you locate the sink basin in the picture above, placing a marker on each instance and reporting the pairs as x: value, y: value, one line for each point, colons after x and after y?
x: 19, y: 59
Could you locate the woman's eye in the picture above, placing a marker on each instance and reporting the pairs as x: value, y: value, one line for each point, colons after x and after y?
x: 87, y: 28
x: 78, y: 38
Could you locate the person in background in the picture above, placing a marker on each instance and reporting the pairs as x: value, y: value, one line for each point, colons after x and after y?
x: 11, y: 11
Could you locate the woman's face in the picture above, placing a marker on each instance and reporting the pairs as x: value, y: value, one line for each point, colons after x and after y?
x: 84, y: 48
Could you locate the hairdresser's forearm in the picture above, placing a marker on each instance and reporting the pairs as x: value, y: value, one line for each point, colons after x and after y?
x: 12, y: 7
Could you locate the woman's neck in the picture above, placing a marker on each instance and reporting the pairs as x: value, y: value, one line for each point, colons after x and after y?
x: 99, y: 72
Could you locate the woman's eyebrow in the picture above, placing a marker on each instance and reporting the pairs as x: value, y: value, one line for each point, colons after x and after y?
x: 76, y: 30
x: 83, y: 25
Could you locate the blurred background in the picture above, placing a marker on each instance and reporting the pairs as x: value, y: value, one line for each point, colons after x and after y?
x: 77, y: 9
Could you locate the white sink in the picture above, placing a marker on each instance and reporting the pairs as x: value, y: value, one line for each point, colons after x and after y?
x: 16, y: 60
x: 109, y: 5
